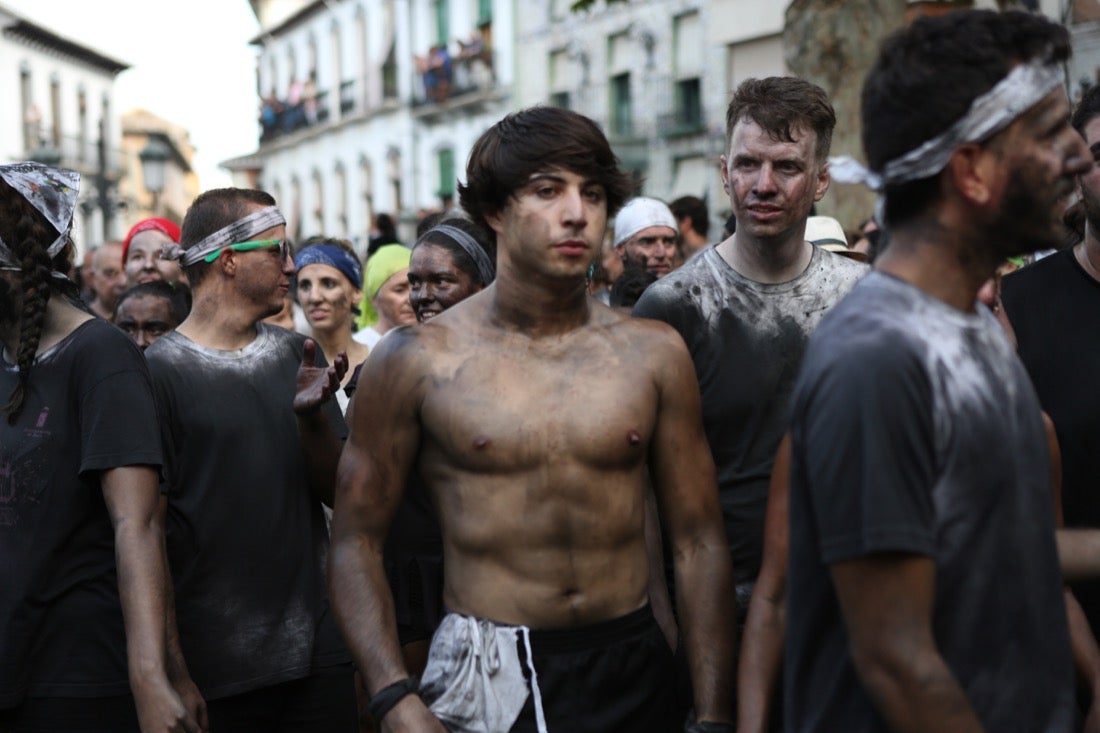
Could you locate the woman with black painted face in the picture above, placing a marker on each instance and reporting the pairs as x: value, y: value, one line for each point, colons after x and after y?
x: 450, y: 262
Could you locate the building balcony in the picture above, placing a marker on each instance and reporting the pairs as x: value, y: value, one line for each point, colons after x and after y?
x: 76, y: 153
x: 678, y: 124
x: 468, y: 87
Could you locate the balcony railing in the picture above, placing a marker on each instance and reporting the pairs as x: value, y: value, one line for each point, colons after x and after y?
x: 469, y: 78
x: 78, y: 153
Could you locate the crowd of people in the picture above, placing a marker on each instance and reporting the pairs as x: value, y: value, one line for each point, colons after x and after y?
x: 567, y: 464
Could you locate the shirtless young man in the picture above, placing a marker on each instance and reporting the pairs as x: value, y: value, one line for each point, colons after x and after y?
x: 541, y: 506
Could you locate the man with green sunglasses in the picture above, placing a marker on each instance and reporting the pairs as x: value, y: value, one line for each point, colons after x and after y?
x: 251, y: 438
x: 281, y: 246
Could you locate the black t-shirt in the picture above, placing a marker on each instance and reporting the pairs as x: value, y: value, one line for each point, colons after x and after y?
x: 89, y: 407
x: 246, y: 538
x: 915, y: 430
x: 1054, y: 307
x: 746, y: 340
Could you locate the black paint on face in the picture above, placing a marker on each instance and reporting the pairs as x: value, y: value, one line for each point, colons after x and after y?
x: 436, y: 282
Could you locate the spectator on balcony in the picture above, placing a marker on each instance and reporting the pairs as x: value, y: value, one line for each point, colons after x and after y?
x: 294, y: 115
x: 309, y: 98
x: 436, y: 70
x: 271, y: 111
x: 478, y: 57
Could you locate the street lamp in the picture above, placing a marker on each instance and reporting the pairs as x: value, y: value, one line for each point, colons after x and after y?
x: 154, y: 162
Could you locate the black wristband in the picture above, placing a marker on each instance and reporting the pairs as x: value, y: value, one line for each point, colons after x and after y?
x: 384, y: 700
x: 708, y: 727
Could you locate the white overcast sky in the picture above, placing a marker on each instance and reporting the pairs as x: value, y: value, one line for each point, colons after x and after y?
x: 190, y: 63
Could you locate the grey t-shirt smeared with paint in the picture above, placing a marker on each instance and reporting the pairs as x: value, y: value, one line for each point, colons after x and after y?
x: 746, y: 340
x: 915, y: 430
x: 246, y: 538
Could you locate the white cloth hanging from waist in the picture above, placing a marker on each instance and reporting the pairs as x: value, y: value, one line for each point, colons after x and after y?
x: 474, y: 681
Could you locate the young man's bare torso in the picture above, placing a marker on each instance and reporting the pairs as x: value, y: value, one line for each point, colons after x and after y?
x: 548, y: 437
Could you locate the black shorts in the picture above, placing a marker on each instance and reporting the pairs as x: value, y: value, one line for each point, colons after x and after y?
x: 72, y: 715
x: 617, y: 675
x: 324, y: 701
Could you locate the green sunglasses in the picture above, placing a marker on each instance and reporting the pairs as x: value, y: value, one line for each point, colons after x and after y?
x: 282, y: 244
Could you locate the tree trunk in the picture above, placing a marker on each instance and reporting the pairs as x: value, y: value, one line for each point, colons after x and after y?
x: 833, y: 43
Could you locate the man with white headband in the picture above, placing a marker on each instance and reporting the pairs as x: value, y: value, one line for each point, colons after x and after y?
x: 925, y: 589
x: 251, y: 438
x: 646, y: 234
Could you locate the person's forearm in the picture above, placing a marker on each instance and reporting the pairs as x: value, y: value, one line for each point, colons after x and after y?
x: 141, y: 585
x: 1078, y: 553
x: 759, y: 663
x: 363, y: 607
x: 321, y: 449
x: 704, y: 594
x: 916, y: 693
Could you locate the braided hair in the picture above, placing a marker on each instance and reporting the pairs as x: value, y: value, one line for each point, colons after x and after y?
x: 28, y: 234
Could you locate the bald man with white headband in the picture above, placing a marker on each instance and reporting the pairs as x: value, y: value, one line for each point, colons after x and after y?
x: 646, y: 234
x: 925, y: 586
x: 251, y: 438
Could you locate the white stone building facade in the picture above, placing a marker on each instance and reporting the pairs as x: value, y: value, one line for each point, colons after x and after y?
x: 657, y: 75
x: 367, y: 139
x: 61, y: 111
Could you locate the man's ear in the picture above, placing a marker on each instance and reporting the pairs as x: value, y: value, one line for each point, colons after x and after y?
x: 972, y: 171
x: 227, y: 261
x: 495, y: 222
x: 724, y: 173
x: 821, y: 184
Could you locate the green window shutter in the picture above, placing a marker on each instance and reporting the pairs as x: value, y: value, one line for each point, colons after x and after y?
x: 446, y: 173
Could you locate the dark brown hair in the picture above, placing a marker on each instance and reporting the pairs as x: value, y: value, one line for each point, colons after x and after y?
x: 534, y: 139
x: 209, y: 212
x: 927, y: 75
x: 782, y: 103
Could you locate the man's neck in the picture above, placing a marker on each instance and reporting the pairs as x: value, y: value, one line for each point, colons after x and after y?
x: 538, y: 308
x: 216, y: 324
x: 767, y: 261
x: 693, y: 243
x: 1087, y: 253
x: 944, y: 260
x: 98, y: 307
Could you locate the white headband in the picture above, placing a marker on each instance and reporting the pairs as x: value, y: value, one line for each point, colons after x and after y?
x: 239, y: 231
x: 993, y: 111
x: 642, y: 213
